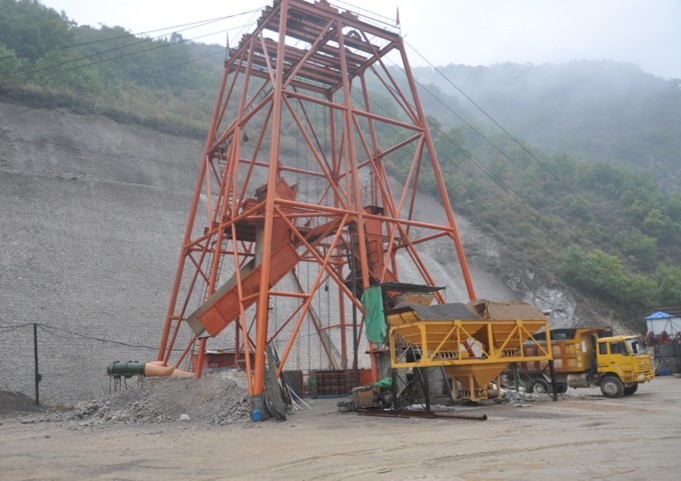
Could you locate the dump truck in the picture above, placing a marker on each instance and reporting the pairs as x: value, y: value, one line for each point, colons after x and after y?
x: 587, y: 357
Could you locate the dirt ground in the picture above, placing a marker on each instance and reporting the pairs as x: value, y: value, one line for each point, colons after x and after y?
x: 583, y: 436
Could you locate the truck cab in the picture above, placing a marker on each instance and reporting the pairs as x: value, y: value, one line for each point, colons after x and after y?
x: 622, y: 364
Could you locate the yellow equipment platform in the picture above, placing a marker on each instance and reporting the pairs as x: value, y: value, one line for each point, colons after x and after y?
x: 472, y: 351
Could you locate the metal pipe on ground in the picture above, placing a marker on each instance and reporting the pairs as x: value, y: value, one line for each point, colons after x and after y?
x: 421, y: 414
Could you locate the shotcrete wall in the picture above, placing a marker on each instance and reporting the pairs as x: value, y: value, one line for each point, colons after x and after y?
x: 92, y: 215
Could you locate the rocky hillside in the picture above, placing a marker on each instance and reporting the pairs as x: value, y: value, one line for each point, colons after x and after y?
x: 92, y: 217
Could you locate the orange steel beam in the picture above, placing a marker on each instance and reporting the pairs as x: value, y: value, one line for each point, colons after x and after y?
x: 258, y: 386
x: 440, y: 182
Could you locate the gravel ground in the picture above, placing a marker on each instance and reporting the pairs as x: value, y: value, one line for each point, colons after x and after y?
x: 583, y: 436
x: 217, y: 398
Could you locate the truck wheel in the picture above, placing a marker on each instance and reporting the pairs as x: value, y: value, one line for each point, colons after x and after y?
x: 525, y: 385
x: 612, y: 387
x: 561, y: 387
x: 540, y: 387
x: 628, y: 391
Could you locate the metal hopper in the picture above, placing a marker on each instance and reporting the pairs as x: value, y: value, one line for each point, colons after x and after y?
x: 472, y: 348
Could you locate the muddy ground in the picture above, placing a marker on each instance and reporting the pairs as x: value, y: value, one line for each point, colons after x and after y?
x: 583, y: 436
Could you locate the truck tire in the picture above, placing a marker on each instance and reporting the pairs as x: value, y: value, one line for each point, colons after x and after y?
x: 628, y: 391
x: 540, y: 386
x: 525, y: 385
x: 612, y: 387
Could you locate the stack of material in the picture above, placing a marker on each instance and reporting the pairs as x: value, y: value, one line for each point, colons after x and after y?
x: 505, y: 311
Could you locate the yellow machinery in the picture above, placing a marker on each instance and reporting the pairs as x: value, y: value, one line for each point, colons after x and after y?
x: 589, y: 357
x: 473, y: 345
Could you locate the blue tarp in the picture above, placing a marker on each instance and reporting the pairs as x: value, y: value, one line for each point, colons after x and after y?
x: 658, y: 315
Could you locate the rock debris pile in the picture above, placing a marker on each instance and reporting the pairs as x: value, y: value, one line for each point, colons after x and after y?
x: 517, y: 398
x: 214, y: 399
x: 12, y: 402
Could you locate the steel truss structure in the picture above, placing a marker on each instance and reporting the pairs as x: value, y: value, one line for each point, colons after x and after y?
x: 293, y: 196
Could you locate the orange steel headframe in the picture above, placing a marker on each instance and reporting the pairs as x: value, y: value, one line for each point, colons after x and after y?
x: 294, y: 214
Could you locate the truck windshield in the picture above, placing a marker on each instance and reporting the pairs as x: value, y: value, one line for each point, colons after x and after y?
x: 618, y: 347
x: 636, y: 347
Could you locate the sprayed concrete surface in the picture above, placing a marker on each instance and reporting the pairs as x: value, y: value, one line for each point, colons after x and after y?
x: 582, y: 436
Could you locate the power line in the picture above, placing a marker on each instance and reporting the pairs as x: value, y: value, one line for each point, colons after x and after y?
x: 200, y: 23
x: 514, y: 195
x: 15, y: 326
x: 515, y: 140
x: 131, y: 79
x: 54, y: 68
x: 77, y: 336
x: 559, y: 231
x: 6, y: 329
x: 56, y: 332
x: 537, y: 214
x: 517, y: 198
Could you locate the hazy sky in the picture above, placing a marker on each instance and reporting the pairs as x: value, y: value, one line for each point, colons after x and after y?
x: 471, y: 32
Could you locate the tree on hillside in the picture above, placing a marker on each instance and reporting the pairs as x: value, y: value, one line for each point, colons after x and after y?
x: 30, y: 29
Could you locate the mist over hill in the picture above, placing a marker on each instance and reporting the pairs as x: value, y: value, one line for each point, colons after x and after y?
x: 598, y: 111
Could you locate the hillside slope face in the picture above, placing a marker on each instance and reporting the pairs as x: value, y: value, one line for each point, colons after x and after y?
x: 92, y: 217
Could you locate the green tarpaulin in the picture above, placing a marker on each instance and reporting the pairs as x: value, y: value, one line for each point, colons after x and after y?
x: 385, y: 383
x: 372, y: 300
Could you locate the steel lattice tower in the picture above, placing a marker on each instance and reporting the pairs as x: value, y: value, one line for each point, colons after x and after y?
x: 276, y: 220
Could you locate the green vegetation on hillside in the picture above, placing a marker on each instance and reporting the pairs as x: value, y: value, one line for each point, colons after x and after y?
x: 46, y: 60
x: 581, y: 212
x: 608, y: 231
